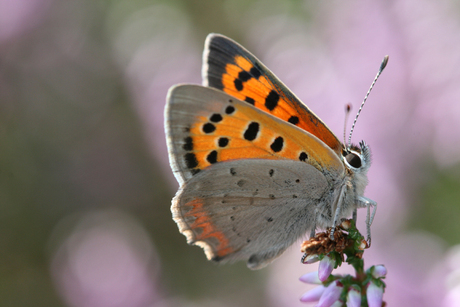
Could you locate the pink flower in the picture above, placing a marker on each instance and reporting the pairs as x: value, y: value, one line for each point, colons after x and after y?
x: 326, y: 266
x: 310, y: 278
x: 374, y: 294
x: 354, y: 297
x: 331, y: 294
x: 379, y: 271
x: 313, y: 295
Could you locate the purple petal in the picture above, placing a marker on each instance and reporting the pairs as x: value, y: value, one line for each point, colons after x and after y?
x: 325, y: 268
x: 310, y: 278
x: 331, y: 294
x: 353, y: 297
x: 374, y: 295
x: 379, y: 271
x: 313, y: 295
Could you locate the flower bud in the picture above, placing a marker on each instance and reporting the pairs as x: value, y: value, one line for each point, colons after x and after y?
x: 313, y: 295
x: 310, y: 278
x: 379, y: 271
x: 331, y: 294
x: 374, y: 295
x: 325, y: 268
x: 354, y: 297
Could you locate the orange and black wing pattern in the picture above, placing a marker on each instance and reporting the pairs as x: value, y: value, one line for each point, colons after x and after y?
x: 229, y: 67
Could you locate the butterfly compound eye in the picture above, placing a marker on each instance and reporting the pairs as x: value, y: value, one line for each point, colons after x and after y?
x: 353, y: 160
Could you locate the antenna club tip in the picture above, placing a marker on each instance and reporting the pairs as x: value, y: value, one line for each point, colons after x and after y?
x: 347, y: 107
x: 384, y: 63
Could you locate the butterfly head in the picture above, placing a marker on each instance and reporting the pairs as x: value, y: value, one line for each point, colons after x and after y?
x: 357, y: 158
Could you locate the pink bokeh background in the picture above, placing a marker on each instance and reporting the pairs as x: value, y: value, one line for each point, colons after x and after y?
x: 102, y: 250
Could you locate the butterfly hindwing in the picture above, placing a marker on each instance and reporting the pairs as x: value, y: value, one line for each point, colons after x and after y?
x: 229, y: 67
x: 205, y: 126
x: 249, y: 209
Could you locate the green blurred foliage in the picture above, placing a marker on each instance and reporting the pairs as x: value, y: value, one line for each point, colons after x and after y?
x: 436, y: 207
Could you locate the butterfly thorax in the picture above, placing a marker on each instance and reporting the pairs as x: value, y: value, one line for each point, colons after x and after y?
x: 356, y: 160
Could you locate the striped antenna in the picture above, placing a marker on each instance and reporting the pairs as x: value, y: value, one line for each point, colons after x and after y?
x: 382, y: 67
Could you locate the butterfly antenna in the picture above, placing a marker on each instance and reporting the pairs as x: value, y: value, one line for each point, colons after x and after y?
x: 347, y: 115
x: 382, y: 67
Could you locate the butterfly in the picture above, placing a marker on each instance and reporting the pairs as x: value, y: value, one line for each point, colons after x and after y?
x: 257, y: 168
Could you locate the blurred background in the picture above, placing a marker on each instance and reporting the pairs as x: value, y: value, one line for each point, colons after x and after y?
x: 85, y: 184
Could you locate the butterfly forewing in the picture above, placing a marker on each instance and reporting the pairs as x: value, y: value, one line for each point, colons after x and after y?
x: 205, y: 126
x: 231, y: 68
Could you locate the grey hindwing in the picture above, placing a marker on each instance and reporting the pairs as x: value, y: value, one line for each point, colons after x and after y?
x: 261, y: 206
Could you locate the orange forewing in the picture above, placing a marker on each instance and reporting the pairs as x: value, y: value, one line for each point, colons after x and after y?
x: 238, y: 73
x: 295, y: 141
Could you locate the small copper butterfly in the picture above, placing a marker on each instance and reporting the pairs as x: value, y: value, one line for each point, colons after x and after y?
x: 257, y: 169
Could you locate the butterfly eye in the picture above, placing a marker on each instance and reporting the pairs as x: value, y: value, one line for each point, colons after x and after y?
x: 353, y: 160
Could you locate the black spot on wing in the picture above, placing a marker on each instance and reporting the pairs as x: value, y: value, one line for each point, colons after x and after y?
x: 277, y: 144
x: 238, y: 84
x: 215, y: 118
x: 303, y: 156
x: 255, y: 72
x: 223, y: 142
x: 251, y: 131
x: 209, y: 128
x: 212, y: 157
x: 229, y: 110
x: 272, y: 100
x: 190, y: 160
x: 188, y: 144
x: 250, y: 100
x: 244, y: 76
x: 293, y: 120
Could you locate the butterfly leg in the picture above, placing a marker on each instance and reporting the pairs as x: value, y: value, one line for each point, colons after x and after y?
x: 313, y: 227
x: 366, y: 202
x: 313, y: 230
x: 337, y: 210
